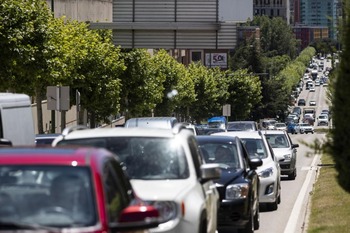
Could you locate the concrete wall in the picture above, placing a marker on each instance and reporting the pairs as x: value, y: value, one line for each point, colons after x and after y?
x: 83, y: 10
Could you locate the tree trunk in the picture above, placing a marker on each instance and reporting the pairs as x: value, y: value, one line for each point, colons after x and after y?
x: 92, y: 120
x: 39, y: 111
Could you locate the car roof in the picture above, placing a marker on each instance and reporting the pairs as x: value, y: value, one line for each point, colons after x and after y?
x: 241, y: 134
x: 121, y: 132
x: 273, y: 131
x: 76, y: 156
x: 215, y: 138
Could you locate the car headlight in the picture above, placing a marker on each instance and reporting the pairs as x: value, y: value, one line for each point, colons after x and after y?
x: 167, y: 209
x: 236, y: 191
x: 266, y: 173
x: 287, y: 157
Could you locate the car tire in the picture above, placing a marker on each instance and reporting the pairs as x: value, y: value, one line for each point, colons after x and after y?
x: 273, y: 206
x: 293, y: 175
x: 249, y: 227
x: 257, y: 218
x: 203, y: 223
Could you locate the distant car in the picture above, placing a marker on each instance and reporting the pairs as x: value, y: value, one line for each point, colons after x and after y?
x: 69, y: 190
x: 285, y: 151
x: 280, y: 126
x: 151, y: 122
x: 308, y: 118
x: 312, y: 102
x: 306, y: 128
x: 242, y: 126
x: 312, y: 89
x: 293, y: 128
x: 295, y: 117
x: 165, y: 168
x: 301, y: 102
x: 297, y: 110
x: 238, y: 185
x: 270, y: 172
x: 322, y: 120
x: 45, y: 139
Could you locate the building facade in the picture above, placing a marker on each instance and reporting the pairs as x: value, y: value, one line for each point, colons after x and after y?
x: 273, y: 8
x: 322, y: 13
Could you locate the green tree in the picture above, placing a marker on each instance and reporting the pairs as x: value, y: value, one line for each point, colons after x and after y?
x: 178, y: 94
x: 340, y: 133
x: 209, y: 91
x: 244, y: 94
x: 142, y: 84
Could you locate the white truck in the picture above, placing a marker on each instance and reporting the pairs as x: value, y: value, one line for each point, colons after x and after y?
x: 16, y: 120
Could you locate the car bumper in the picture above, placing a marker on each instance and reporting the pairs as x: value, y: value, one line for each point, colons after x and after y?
x: 233, y: 213
x: 287, y: 168
x: 268, y: 190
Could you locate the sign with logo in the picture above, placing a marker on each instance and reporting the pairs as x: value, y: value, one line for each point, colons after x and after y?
x: 216, y: 60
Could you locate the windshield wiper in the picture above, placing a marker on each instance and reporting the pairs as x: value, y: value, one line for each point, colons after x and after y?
x: 8, y: 225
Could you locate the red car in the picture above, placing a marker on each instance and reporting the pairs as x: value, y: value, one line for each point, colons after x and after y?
x: 69, y: 189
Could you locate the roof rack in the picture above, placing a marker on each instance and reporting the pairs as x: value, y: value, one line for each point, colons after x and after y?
x: 70, y: 129
x: 178, y: 127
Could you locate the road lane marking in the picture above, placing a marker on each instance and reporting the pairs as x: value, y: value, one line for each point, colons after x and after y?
x: 298, y: 205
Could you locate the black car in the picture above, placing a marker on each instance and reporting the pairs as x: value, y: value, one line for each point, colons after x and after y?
x: 301, y: 102
x: 238, y: 185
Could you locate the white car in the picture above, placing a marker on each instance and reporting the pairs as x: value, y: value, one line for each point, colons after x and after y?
x: 281, y: 126
x: 269, y: 172
x: 306, y: 128
x: 322, y: 120
x: 312, y: 102
x: 285, y: 150
x: 312, y: 89
x: 165, y: 168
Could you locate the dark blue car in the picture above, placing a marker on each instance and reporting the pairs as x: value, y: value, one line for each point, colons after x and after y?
x: 238, y: 185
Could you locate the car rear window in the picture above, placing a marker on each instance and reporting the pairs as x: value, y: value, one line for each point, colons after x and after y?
x: 55, y: 196
x: 146, y: 158
x: 277, y: 140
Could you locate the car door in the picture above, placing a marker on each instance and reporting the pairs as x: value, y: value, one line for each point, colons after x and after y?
x: 117, y: 189
x: 209, y: 189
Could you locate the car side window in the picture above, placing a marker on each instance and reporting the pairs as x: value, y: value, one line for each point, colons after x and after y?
x: 117, y: 190
x: 244, y: 155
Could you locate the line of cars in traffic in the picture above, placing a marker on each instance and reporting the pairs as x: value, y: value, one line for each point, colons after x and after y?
x: 187, y: 177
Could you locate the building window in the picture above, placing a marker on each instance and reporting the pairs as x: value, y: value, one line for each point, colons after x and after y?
x: 196, y: 56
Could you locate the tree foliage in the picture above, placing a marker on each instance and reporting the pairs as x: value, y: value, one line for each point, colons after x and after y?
x: 340, y: 134
x: 244, y: 94
x: 178, y: 94
x: 142, y: 84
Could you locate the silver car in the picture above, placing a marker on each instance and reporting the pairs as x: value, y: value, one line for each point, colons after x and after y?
x: 285, y: 150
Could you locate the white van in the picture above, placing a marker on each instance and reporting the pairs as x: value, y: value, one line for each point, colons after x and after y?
x: 16, y: 120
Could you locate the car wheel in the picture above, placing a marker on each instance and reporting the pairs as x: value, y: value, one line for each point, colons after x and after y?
x: 249, y: 227
x: 203, y: 223
x: 293, y: 175
x: 257, y: 218
x: 273, y: 206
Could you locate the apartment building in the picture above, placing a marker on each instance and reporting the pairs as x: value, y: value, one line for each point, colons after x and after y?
x: 273, y: 8
x: 322, y: 13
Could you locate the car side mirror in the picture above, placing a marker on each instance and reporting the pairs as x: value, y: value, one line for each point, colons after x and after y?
x: 295, y: 145
x: 210, y: 171
x: 254, y: 163
x: 5, y: 142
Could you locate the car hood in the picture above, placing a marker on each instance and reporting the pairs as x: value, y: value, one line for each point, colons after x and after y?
x: 228, y: 174
x: 162, y: 189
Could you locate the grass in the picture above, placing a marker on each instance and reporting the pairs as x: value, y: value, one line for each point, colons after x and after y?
x: 330, y: 204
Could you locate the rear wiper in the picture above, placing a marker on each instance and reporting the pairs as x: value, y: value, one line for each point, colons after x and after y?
x: 5, y: 225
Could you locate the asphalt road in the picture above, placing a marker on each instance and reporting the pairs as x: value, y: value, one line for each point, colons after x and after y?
x: 292, y: 214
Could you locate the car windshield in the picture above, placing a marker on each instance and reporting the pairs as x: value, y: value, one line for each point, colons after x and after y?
x: 54, y: 196
x: 145, y: 158
x: 240, y: 126
x: 277, y: 140
x: 255, y: 147
x: 221, y: 153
